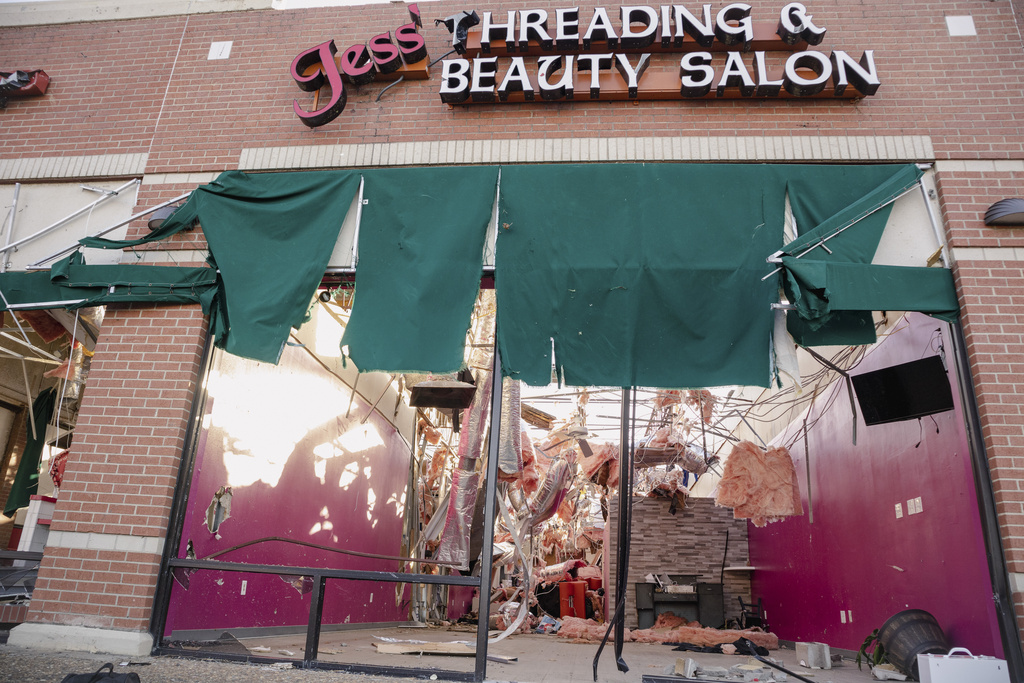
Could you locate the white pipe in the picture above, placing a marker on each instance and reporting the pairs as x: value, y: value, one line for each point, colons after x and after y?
x: 7, y: 306
x: 935, y: 223
x: 88, y: 207
x: 10, y: 224
x: 776, y: 257
x: 359, y: 220
x: 38, y: 350
x: 101, y: 233
x: 28, y: 396
x: 43, y: 304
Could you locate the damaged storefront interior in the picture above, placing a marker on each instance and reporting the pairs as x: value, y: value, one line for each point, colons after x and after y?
x: 694, y: 431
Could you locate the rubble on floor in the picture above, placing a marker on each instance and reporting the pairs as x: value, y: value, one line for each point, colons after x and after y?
x: 668, y: 629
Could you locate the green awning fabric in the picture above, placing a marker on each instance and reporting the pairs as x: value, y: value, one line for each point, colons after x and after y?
x: 75, y: 285
x: 26, y: 481
x: 844, y: 328
x: 635, y: 274
x: 629, y: 274
x: 271, y: 236
x: 841, y: 212
x: 421, y: 245
x: 866, y: 287
x: 825, y: 199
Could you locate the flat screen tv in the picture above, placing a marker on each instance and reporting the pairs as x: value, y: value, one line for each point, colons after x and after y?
x: 903, y: 392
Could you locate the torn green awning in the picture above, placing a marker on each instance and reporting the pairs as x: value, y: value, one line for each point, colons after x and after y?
x: 632, y: 274
x: 638, y: 274
x: 271, y: 236
x: 26, y: 481
x: 71, y: 284
x: 827, y: 199
x: 866, y: 287
x: 841, y: 212
x: 421, y: 245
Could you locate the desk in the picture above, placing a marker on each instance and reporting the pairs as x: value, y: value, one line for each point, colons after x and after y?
x: 706, y: 604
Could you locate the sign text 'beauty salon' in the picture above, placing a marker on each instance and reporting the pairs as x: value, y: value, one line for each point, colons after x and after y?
x: 529, y: 54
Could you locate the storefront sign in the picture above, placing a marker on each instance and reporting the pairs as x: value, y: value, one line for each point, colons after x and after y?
x: 380, y: 57
x: 531, y: 54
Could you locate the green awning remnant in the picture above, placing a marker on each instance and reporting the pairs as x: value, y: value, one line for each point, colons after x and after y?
x: 420, y: 259
x: 72, y: 284
x: 866, y: 287
x: 844, y: 328
x: 825, y: 199
x: 635, y: 274
x: 629, y: 274
x: 841, y: 212
x: 26, y: 481
x: 271, y: 236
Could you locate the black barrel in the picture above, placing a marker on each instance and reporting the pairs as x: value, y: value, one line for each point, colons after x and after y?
x: 911, y: 633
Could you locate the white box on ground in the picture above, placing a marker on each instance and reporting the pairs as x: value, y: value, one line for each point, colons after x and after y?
x: 814, y: 655
x: 959, y: 666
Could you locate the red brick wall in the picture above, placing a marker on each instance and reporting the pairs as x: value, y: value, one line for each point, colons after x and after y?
x: 120, y: 477
x: 12, y: 614
x: 992, y: 298
x: 113, y: 86
x: 990, y: 279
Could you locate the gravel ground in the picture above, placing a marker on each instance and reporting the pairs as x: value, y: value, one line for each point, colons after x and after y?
x: 21, y: 665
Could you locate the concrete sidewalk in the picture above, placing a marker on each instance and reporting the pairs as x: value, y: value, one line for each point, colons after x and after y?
x: 541, y: 659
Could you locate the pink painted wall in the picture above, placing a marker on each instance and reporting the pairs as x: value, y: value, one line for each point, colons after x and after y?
x: 856, y: 555
x: 317, y: 488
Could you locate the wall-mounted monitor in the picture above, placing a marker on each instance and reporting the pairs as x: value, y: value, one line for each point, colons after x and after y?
x: 904, y: 391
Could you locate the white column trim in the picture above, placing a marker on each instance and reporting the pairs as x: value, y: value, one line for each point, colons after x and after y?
x: 152, y: 545
x: 86, y: 166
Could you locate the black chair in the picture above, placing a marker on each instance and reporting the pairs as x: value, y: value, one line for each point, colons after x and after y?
x: 752, y: 615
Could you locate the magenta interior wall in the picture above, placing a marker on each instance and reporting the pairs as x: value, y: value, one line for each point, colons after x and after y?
x: 364, y: 515
x: 856, y: 555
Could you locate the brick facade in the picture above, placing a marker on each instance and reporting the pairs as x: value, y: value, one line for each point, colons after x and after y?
x: 139, y: 97
x: 106, y: 537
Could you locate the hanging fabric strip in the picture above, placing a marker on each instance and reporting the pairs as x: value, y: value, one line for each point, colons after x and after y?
x: 623, y: 269
x: 420, y: 260
x: 26, y: 481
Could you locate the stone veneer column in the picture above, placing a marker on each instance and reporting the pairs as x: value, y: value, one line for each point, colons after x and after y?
x: 99, y: 573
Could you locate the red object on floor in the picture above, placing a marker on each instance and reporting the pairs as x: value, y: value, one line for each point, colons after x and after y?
x: 594, y: 583
x: 572, y: 599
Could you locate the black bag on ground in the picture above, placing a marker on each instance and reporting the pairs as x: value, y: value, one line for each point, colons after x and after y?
x: 105, y: 674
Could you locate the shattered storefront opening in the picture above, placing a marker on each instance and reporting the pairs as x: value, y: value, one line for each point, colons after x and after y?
x: 46, y: 353
x: 605, y: 275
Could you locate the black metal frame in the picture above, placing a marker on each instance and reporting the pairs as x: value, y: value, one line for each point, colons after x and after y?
x: 321, y: 575
x: 27, y: 555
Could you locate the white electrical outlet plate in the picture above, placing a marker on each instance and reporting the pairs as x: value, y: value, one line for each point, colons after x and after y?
x: 917, y: 501
x: 842, y: 616
x: 849, y: 616
x: 899, y: 510
x: 244, y: 585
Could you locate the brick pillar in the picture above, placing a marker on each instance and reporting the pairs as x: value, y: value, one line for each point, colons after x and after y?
x: 99, y: 573
x: 992, y: 303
